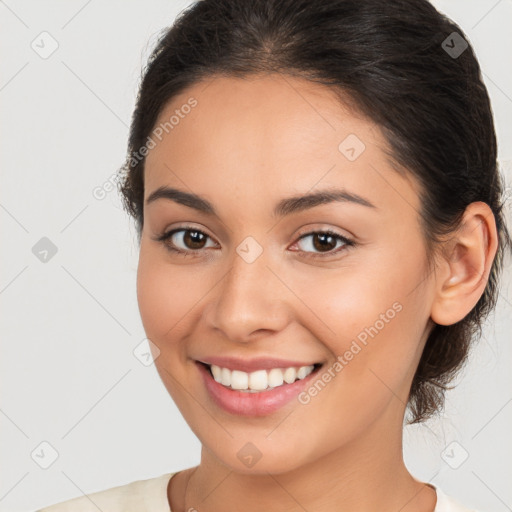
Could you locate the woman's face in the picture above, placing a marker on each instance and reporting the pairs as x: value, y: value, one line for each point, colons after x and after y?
x: 248, y: 286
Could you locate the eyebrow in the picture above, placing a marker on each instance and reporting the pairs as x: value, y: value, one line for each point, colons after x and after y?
x: 284, y: 207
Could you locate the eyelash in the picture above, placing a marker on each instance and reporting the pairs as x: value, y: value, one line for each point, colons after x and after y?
x: 193, y: 252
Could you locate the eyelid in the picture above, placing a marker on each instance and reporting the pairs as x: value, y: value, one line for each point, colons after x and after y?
x: 319, y: 229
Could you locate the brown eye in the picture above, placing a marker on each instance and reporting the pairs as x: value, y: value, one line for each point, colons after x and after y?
x: 184, y: 240
x: 194, y: 239
x: 323, y: 243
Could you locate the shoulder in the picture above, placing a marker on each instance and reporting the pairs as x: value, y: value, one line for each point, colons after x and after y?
x: 150, y: 494
x: 446, y: 503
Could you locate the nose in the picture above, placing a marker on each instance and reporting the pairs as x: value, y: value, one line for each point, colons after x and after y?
x: 250, y: 301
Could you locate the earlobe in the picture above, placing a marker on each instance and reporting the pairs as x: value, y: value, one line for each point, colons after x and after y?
x: 465, y: 268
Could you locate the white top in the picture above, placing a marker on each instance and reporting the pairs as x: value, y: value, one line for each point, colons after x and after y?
x: 151, y: 495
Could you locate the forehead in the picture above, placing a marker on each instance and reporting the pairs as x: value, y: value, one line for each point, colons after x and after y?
x: 288, y: 116
x: 272, y: 132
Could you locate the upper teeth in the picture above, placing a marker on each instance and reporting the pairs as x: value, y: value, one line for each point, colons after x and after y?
x: 260, y: 379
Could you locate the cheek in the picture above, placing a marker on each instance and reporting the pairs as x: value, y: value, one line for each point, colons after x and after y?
x: 163, y: 310
x: 159, y: 296
x: 373, y: 315
x: 149, y: 296
x: 375, y: 346
x: 170, y: 296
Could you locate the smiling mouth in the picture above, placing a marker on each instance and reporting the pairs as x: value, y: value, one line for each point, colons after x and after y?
x: 260, y: 380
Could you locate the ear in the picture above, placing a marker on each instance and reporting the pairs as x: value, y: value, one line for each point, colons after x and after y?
x: 463, y: 270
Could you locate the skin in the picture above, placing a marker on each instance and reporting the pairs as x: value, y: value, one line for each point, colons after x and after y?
x: 246, y: 145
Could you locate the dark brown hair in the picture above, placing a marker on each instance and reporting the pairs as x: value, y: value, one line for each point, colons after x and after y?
x: 403, y: 67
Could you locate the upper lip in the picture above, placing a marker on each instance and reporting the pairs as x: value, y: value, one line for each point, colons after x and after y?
x: 251, y: 365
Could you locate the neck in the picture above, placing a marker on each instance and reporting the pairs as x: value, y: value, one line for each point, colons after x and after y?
x: 365, y: 475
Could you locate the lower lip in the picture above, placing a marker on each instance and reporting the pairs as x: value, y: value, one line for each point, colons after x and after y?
x: 253, y: 404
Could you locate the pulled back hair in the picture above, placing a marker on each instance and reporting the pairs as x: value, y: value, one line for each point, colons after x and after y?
x: 392, y: 60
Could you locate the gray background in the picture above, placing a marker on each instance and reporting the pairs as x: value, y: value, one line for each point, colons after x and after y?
x: 70, y: 325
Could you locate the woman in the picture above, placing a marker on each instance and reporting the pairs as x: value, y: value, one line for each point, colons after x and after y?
x: 319, y: 214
